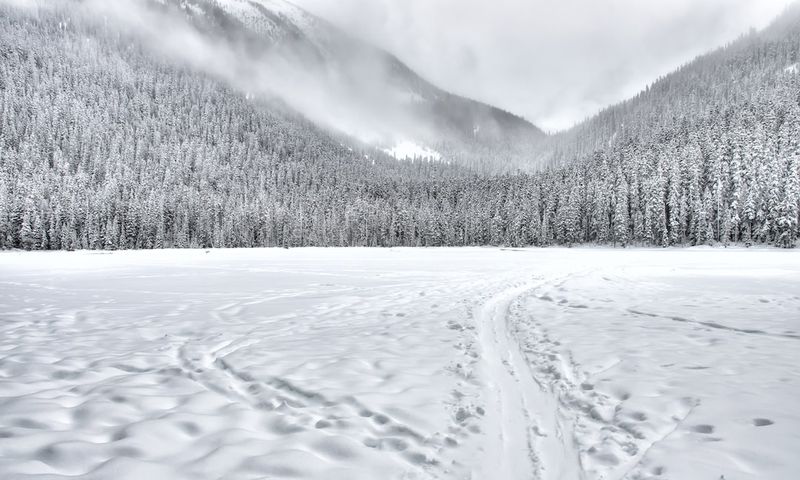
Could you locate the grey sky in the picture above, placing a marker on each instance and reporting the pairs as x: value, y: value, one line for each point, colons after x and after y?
x: 553, y: 61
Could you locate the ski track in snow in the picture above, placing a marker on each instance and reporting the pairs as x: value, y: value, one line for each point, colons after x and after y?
x: 529, y: 439
x: 407, y: 364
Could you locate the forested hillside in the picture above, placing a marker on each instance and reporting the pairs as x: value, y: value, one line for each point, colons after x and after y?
x: 104, y: 145
x: 272, y: 48
x: 748, y: 72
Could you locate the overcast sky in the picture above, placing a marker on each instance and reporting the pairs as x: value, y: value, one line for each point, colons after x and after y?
x: 554, y: 62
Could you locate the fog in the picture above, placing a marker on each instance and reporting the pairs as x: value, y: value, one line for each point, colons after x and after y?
x: 321, y: 92
x: 554, y: 62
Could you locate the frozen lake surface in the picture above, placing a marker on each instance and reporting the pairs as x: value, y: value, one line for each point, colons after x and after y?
x: 400, y: 364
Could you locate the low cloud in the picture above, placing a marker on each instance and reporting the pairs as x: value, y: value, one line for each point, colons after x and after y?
x: 553, y: 62
x: 326, y: 95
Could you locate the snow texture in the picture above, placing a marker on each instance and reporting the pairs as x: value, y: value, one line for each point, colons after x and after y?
x: 708, y: 155
x: 407, y: 150
x: 400, y: 364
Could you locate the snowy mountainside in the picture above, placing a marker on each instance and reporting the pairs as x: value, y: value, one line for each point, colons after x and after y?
x: 108, y: 142
x: 736, y: 77
x: 392, y: 104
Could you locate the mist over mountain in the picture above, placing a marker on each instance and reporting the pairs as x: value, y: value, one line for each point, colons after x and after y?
x: 751, y: 70
x: 554, y: 63
x: 149, y: 124
x: 273, y: 51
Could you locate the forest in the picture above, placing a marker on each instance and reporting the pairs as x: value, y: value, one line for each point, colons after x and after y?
x: 104, y: 145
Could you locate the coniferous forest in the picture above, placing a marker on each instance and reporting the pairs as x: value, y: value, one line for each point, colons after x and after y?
x: 106, y: 146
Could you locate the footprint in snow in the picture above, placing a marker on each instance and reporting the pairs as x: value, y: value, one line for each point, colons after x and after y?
x: 704, y: 429
x: 762, y: 422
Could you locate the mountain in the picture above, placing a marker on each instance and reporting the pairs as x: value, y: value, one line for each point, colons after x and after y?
x: 709, y: 153
x: 753, y: 68
x: 180, y: 126
x: 375, y: 97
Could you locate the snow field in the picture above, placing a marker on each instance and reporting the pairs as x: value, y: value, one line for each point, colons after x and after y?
x: 400, y: 363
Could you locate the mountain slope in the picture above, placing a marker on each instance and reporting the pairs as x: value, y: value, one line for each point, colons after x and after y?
x: 109, y: 141
x: 709, y: 153
x: 748, y: 70
x: 372, y: 94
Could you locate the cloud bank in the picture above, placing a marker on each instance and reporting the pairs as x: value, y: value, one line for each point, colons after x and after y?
x: 329, y: 96
x: 554, y: 62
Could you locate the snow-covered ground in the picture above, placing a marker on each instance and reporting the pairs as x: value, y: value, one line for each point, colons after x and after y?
x: 400, y: 364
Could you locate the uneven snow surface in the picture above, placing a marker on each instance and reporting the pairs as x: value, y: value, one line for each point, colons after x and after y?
x: 400, y: 364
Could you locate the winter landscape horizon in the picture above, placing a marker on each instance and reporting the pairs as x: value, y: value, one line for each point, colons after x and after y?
x: 384, y: 239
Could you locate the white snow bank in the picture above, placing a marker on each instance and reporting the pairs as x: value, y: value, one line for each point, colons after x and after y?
x: 407, y: 150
